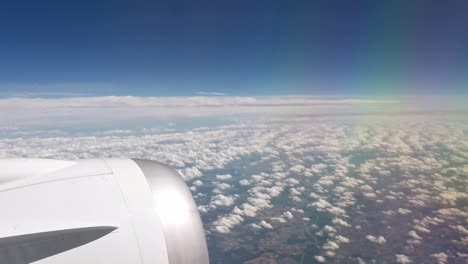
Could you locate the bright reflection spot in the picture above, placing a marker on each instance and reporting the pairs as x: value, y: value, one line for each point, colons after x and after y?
x: 173, y: 207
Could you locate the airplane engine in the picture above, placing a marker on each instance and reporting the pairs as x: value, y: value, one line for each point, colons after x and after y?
x: 97, y: 211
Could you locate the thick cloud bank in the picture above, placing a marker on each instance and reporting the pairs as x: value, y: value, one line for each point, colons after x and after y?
x: 20, y: 113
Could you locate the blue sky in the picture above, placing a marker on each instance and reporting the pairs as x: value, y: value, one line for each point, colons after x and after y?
x: 161, y: 48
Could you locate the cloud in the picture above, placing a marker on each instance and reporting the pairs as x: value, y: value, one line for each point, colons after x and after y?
x: 197, y: 183
x: 278, y: 219
x: 336, y: 211
x: 297, y: 168
x: 255, y: 226
x: 211, y: 93
x: 369, y: 195
x: 414, y: 235
x: 288, y: 215
x: 246, y: 209
x: 224, y: 224
x: 294, y: 191
x: 320, y: 259
x: 202, y: 209
x: 403, y: 259
x: 461, y: 229
x: 221, y: 186
x: 379, y: 240
x: 403, y: 211
x: 341, y: 222
x: 329, y: 229
x: 266, y: 225
x: 244, y: 182
x: 224, y: 177
x: 342, y: 239
x: 421, y: 229
x: 321, y: 204
x: 190, y: 173
x: 221, y: 200
x: 275, y: 191
x: 292, y: 181
x: 331, y: 245
x: 440, y: 257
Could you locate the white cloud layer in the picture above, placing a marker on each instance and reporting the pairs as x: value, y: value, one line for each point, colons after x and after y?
x: 46, y: 112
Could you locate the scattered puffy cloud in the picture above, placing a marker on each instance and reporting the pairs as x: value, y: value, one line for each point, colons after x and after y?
x: 224, y: 177
x: 221, y: 186
x: 265, y: 225
x: 320, y: 259
x: 403, y: 211
x: 224, y: 224
x: 341, y: 222
x: 414, y: 235
x: 342, y: 239
x: 329, y: 229
x: 288, y: 215
x: 190, y: 173
x: 255, y: 226
x: 197, y: 183
x: 244, y: 182
x: 403, y: 259
x: 461, y: 229
x: 440, y: 257
x: 331, y: 245
x: 221, y: 200
x: 421, y: 229
x: 321, y: 204
x: 379, y: 240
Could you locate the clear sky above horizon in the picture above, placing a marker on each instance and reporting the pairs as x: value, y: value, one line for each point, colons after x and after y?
x: 270, y: 47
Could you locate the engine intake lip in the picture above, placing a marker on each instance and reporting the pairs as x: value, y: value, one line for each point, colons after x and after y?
x: 176, y: 208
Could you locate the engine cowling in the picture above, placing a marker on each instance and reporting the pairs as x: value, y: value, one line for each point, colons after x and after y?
x: 97, y: 211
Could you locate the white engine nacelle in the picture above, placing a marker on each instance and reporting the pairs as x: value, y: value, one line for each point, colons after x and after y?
x: 111, y: 211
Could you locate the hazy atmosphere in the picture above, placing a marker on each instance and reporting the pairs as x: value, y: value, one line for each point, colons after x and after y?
x: 307, y: 131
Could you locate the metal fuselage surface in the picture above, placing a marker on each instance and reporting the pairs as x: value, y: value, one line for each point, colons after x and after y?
x: 97, y: 211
